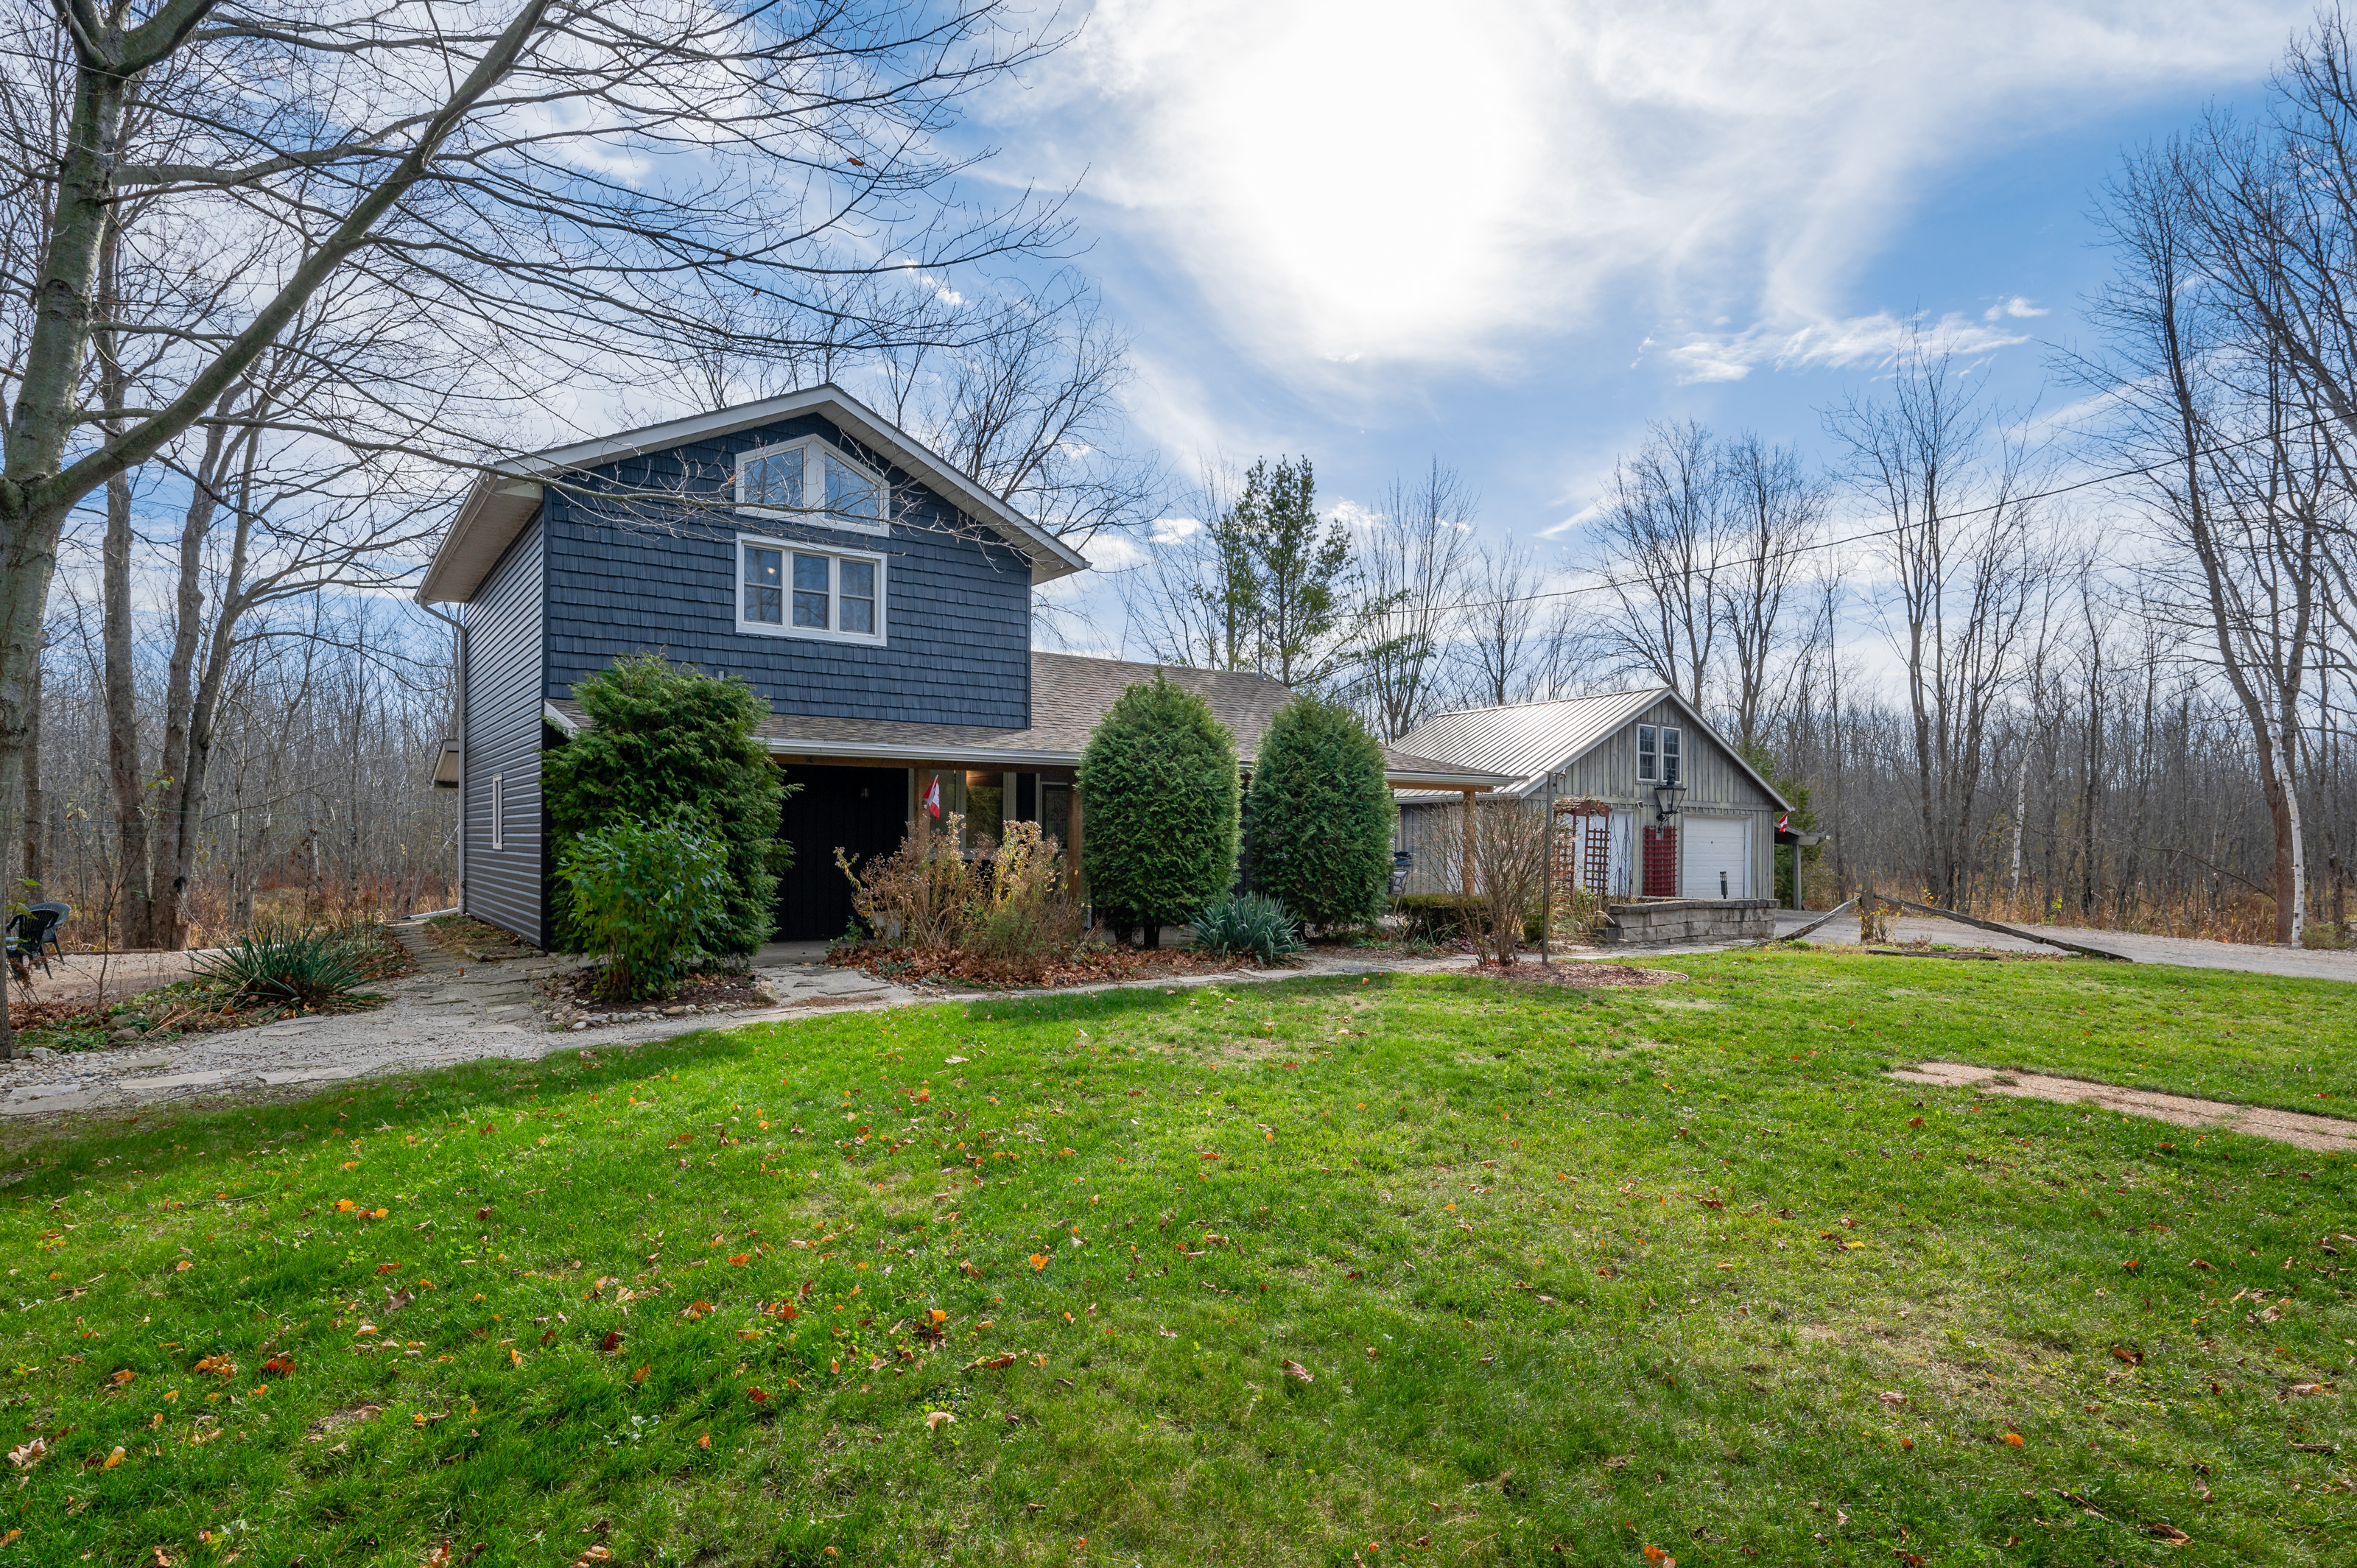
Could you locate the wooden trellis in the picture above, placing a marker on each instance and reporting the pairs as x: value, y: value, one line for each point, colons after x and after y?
x: 1582, y: 846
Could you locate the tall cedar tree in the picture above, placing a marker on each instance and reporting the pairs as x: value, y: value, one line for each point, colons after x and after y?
x: 1321, y: 816
x: 667, y: 735
x: 1160, y: 797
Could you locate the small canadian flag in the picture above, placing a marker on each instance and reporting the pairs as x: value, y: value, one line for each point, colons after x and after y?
x: 933, y: 798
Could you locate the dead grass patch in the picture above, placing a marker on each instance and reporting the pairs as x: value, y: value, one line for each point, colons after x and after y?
x: 1582, y: 974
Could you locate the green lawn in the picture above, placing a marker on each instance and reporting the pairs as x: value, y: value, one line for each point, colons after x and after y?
x: 1572, y: 1274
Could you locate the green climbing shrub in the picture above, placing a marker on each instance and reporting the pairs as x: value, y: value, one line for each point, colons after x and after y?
x: 663, y: 735
x: 650, y: 897
x: 1321, y: 817
x: 1160, y: 798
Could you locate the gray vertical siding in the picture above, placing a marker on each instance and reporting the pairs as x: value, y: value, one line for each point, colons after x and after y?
x: 1717, y: 785
x: 626, y: 578
x: 507, y: 886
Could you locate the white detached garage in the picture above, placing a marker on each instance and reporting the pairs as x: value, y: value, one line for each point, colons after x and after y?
x: 1664, y: 808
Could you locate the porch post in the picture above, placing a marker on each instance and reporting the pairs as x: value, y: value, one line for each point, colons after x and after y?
x: 1080, y: 888
x: 1468, y: 878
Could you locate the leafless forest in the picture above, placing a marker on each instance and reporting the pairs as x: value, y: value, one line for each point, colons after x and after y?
x: 2091, y: 662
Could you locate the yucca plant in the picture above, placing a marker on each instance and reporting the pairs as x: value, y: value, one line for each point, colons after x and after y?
x: 1248, y: 924
x: 277, y: 963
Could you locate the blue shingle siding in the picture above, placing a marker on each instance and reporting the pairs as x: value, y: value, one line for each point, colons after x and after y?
x: 626, y: 575
x: 507, y: 886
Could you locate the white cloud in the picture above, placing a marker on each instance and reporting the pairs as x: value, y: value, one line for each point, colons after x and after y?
x: 1355, y: 184
x: 2017, y: 307
x: 1878, y: 339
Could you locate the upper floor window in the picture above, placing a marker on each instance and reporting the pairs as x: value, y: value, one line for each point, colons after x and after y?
x: 790, y: 590
x: 811, y: 481
x: 1657, y: 755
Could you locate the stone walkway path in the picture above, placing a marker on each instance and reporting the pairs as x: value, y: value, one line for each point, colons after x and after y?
x: 2323, y: 1134
x: 455, y: 1010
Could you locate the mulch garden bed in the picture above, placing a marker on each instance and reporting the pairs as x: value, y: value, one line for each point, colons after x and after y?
x: 1086, y: 965
x: 463, y: 935
x: 183, y: 1007
x: 578, y: 1001
x: 1579, y: 973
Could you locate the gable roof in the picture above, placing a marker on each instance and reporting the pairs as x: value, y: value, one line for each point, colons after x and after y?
x: 1529, y: 741
x: 503, y: 500
x: 1069, y: 694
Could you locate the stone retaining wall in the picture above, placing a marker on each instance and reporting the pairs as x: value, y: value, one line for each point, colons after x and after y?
x: 1659, y: 922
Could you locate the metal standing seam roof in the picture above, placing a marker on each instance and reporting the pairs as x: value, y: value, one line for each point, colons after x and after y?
x: 1529, y: 741
x: 1070, y: 693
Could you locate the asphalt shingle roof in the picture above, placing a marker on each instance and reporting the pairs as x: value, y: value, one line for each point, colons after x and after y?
x: 1069, y: 694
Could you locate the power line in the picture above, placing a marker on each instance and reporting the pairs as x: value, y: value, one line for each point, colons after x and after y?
x: 1885, y: 533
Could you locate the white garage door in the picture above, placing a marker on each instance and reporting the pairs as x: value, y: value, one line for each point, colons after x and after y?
x: 1718, y: 856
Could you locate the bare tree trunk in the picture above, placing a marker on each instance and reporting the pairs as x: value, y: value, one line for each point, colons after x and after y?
x: 125, y: 778
x: 37, y: 808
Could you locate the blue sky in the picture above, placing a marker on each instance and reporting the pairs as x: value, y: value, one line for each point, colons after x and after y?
x: 1508, y: 235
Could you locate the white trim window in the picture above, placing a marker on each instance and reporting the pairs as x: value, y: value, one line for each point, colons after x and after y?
x: 1657, y: 755
x: 811, y: 481
x: 785, y: 589
x: 498, y: 811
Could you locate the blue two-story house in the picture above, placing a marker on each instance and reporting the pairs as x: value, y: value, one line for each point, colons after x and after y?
x: 878, y: 598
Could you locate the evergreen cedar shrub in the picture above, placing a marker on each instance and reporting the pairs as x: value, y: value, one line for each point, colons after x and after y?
x: 1320, y: 840
x: 666, y: 736
x: 1158, y: 839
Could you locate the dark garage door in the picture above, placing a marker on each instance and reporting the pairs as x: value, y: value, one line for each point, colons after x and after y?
x: 863, y: 810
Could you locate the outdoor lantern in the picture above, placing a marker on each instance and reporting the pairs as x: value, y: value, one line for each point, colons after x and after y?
x: 1665, y: 800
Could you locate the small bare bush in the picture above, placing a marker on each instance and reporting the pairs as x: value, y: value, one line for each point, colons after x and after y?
x: 1027, y: 908
x: 922, y: 895
x: 1506, y: 853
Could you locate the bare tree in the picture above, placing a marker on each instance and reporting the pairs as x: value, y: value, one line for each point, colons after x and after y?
x: 1772, y: 510
x: 1495, y: 646
x: 1959, y: 546
x: 1415, y: 560
x: 2237, y: 468
x: 1660, y: 541
x: 462, y: 157
x: 1497, y: 851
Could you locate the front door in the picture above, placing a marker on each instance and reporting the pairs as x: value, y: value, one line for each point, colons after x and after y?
x: 863, y: 811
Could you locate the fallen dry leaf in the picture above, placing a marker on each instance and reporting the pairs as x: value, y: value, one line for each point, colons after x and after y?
x: 1891, y: 1397
x: 1292, y: 1368
x: 113, y: 1459
x: 611, y: 1343
x: 937, y: 1419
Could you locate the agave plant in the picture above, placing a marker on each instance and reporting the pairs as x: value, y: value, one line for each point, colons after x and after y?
x: 277, y: 964
x: 1250, y: 924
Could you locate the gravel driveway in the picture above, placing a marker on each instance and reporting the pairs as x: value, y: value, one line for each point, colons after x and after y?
x: 2192, y: 952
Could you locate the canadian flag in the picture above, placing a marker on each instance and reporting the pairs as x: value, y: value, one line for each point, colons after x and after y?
x: 933, y: 798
